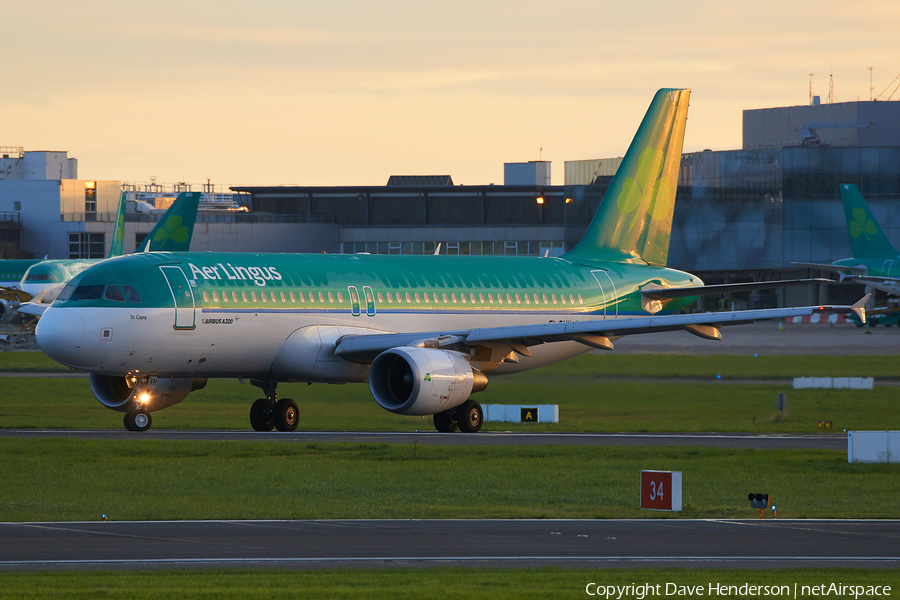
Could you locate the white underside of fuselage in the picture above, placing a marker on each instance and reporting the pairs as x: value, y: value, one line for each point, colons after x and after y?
x: 252, y: 343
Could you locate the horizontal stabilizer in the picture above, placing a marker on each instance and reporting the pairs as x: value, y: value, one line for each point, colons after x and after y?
x: 661, y: 293
x: 857, y: 270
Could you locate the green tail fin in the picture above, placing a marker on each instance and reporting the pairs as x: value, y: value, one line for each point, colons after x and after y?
x: 866, y: 237
x: 175, y: 229
x: 117, y: 248
x: 634, y: 219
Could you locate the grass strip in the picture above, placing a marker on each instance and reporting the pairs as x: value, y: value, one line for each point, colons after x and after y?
x: 584, y: 405
x: 428, y: 583
x: 80, y: 480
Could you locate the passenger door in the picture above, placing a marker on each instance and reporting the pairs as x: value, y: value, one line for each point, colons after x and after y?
x: 183, y: 296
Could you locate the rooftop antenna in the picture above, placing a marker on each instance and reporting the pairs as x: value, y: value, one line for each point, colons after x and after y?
x: 831, y: 85
x: 871, y: 89
x: 810, y: 88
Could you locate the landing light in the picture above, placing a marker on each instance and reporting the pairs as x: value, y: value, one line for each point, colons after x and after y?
x: 540, y: 200
x: 143, y: 398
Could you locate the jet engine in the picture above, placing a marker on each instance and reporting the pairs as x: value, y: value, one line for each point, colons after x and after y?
x: 6, y: 310
x: 422, y: 381
x: 160, y: 392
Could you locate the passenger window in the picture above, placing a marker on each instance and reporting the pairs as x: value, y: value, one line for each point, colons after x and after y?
x: 88, y: 292
x: 114, y: 293
x: 205, y: 295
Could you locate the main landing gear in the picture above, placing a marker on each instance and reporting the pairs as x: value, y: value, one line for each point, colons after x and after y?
x: 137, y: 420
x: 271, y: 413
x: 468, y: 417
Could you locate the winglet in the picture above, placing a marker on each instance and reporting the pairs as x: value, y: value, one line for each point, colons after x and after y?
x: 860, y: 308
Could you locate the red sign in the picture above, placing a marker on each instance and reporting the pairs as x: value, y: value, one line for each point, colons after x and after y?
x: 661, y: 490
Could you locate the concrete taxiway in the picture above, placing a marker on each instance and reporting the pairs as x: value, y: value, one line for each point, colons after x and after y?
x: 761, y: 543
x: 760, y: 441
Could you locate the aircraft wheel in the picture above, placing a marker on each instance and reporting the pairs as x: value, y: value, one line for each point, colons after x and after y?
x: 287, y: 415
x: 470, y: 417
x: 137, y: 420
x: 444, y: 422
x: 260, y: 419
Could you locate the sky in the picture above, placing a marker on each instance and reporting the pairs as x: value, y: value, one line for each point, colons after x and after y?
x: 291, y: 92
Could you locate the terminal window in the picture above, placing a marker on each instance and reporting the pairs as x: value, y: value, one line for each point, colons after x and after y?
x: 87, y: 245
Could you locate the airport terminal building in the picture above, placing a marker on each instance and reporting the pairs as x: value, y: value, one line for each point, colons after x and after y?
x: 740, y: 215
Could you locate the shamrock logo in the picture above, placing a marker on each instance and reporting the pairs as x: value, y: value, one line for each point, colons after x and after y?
x: 860, y: 224
x: 173, y: 230
x: 427, y: 376
x: 632, y: 195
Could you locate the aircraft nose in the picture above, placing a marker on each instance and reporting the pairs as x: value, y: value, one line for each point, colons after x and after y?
x: 60, y: 335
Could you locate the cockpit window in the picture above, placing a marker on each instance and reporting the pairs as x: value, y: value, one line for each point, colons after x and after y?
x: 132, y: 293
x: 88, y: 292
x: 114, y: 293
x: 66, y: 293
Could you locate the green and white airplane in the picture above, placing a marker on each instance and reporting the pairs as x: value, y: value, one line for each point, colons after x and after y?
x: 875, y: 261
x: 174, y: 231
x: 425, y: 332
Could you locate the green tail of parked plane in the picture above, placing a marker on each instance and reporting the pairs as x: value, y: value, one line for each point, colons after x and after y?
x: 173, y: 232
x: 875, y: 261
x: 425, y: 332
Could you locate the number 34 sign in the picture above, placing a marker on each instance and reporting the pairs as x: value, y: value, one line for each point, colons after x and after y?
x: 661, y: 490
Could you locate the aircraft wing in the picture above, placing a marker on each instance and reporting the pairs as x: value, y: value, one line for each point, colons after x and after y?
x: 857, y: 270
x: 654, y: 292
x: 594, y: 333
x: 33, y: 308
x: 888, y: 281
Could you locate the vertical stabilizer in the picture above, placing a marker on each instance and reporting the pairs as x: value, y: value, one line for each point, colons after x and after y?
x: 634, y: 219
x: 175, y: 229
x: 867, y: 240
x: 117, y: 248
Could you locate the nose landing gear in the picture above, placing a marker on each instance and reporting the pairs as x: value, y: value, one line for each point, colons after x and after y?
x: 138, y: 420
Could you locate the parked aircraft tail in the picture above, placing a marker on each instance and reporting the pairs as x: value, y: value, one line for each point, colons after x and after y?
x: 866, y: 237
x: 118, y: 241
x: 634, y: 220
x: 175, y: 229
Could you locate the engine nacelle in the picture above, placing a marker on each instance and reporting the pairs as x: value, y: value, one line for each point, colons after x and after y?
x: 6, y: 309
x: 422, y: 381
x: 114, y: 392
